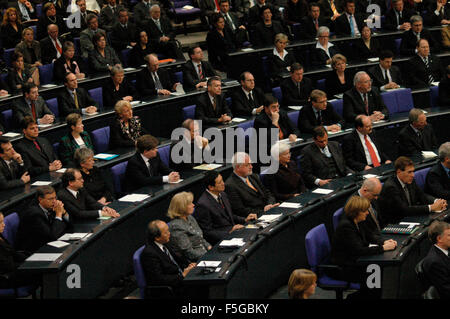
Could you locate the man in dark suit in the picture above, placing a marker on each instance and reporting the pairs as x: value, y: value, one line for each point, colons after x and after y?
x: 124, y: 33
x: 26, y: 10
x: 349, y: 23
x: 208, y: 7
x: 12, y: 167
x: 312, y: 22
x: 37, y: 152
x: 213, y: 210
x: 161, y: 34
x: 361, y: 150
x: 109, y: 15
x: 46, y: 220
x: 146, y: 168
x: 437, y: 182
x: 423, y: 68
x: 161, y: 265
x: 418, y: 136
x: 245, y: 190
x: 254, y: 13
x: 364, y: 99
x: 272, y: 118
x: 444, y: 88
x: 196, y: 71
x: 232, y: 23
x: 73, y: 99
x: 152, y: 80
x: 212, y: 108
x: 322, y: 161
x: 331, y: 9
x: 76, y: 199
x: 51, y: 46
x: 296, y: 89
x: 141, y: 12
x: 438, y: 13
x: 385, y: 75
x: 410, y: 38
x: 31, y: 104
x: 247, y: 100
x: 401, y: 197
x: 398, y: 18
x: 436, y: 265
x: 318, y: 112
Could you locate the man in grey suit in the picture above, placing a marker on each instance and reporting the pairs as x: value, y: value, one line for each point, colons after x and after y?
x: 87, y: 35
x: 31, y: 104
x: 322, y: 161
x: 141, y: 12
x: 12, y: 169
x: 109, y: 15
x: 245, y: 190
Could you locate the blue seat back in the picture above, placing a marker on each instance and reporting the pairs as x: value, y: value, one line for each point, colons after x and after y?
x: 321, y: 84
x: 337, y: 216
x: 189, y: 112
x: 276, y: 91
x: 398, y: 42
x: 317, y: 246
x: 7, y: 119
x: 164, y: 153
x: 298, y: 161
x: 100, y: 138
x: 434, y: 96
x: 7, y: 56
x: 125, y: 57
x: 11, y: 225
x: 38, y: 11
x: 139, y: 272
x: 420, y: 177
x: 97, y: 95
x: 178, y: 76
x: 56, y: 147
x: 53, y: 106
x: 404, y: 100
x: 390, y: 100
x: 293, y: 116
x: 118, y: 175
x: 76, y: 43
x: 46, y: 73
x: 338, y: 106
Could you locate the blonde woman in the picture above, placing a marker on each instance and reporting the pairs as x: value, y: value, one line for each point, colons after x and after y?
x: 186, y: 235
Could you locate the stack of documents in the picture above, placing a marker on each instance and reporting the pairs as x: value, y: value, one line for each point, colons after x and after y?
x: 11, y: 134
x: 290, y: 205
x: 428, y: 154
x: 322, y: 191
x: 208, y: 167
x: 105, y: 156
x: 269, y: 218
x: 208, y: 263
x: 41, y: 183
x: 74, y: 236
x: 238, y: 119
x: 369, y: 176
x: 43, y: 257
x: 234, y: 242
x: 134, y: 198
x: 58, y: 244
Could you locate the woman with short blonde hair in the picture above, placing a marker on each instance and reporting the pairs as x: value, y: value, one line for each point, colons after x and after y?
x: 126, y: 128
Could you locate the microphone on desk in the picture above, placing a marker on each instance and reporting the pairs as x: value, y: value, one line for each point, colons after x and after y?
x: 313, y: 201
x: 404, y: 243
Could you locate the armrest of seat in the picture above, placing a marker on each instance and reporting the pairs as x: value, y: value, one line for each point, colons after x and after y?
x: 159, y: 292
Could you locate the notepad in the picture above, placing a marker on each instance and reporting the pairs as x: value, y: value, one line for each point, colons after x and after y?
x: 133, y: 103
x: 44, y: 125
x: 238, y: 119
x: 428, y: 154
x: 290, y: 205
x: 369, y: 176
x: 43, y: 257
x: 269, y: 217
x: 47, y: 86
x: 208, y: 263
x: 322, y: 191
x: 3, y: 96
x: 11, y: 134
x: 134, y: 198
x: 105, y: 156
x: 74, y: 236
x: 41, y: 183
x: 208, y: 167
x: 58, y: 244
x: 295, y: 107
x: 234, y: 242
x: 373, y: 59
x: 129, y: 69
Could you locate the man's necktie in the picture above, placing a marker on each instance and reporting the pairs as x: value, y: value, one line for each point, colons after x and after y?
x: 298, y: 89
x: 316, y: 24
x: 214, y: 103
x: 251, y: 100
x: 430, y: 75
x: 333, y: 7
x: 158, y: 24
x: 75, y: 98
x: 420, y: 139
x: 37, y: 145
x: 149, y: 166
x: 12, y: 170
x: 167, y: 252
x: 386, y: 79
x: 220, y: 200
x: 352, y: 27
x: 58, y: 47
x: 33, y: 110
x: 158, y: 84
x: 373, y: 213
x: 319, y: 117
x: 366, y: 104
x: 326, y: 152
x: 373, y: 155
x: 200, y: 72
x: 407, y: 195
x: 217, y: 5
x: 418, y: 36
x: 250, y: 185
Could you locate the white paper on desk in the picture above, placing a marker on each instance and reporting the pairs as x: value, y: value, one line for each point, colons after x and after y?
x: 208, y: 167
x: 428, y: 154
x: 232, y: 242
x: 295, y: 107
x: 269, y: 218
x: 178, y: 181
x: 41, y: 183
x: 290, y: 205
x: 188, y: 7
x: 328, y: 66
x: 58, y: 244
x: 286, y: 140
x: 11, y: 134
x: 134, y: 198
x: 247, y: 49
x: 322, y: 191
x: 208, y: 263
x: 238, y: 119
x: 3, y: 96
x: 339, y: 96
x: 435, y: 83
x: 44, y: 125
x: 74, y: 236
x: 369, y: 176
x: 48, y: 85
x: 61, y: 170
x: 379, y: 121
x: 129, y: 69
x: 373, y: 245
x: 43, y: 257
x: 410, y: 225
x: 133, y: 103
x: 176, y: 93
x: 373, y: 59
x: 332, y: 133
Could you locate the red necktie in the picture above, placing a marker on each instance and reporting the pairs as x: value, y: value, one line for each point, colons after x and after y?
x: 372, y: 154
x: 33, y: 110
x: 37, y: 145
x: 200, y: 73
x: 366, y: 103
x: 58, y: 47
x: 317, y: 24
x: 217, y: 5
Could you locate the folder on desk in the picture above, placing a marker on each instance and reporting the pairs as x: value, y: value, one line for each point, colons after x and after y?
x: 11, y: 134
x: 105, y: 156
x: 43, y: 257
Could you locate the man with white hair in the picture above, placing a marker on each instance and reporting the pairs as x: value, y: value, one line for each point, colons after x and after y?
x: 245, y: 190
x: 362, y: 98
x: 438, y: 178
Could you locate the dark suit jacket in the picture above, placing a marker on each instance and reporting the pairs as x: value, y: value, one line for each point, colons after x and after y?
x: 48, y: 50
x: 354, y: 151
x: 137, y: 54
x: 10, y: 260
x: 36, y: 229
x: 244, y: 200
x: 278, y: 66
x: 241, y: 106
x: 205, y: 111
x: 286, y: 182
x: 264, y: 36
x: 10, y: 37
x: 436, y: 267
x: 153, y: 31
x: 333, y: 86
x: 370, y: 224
x: 36, y: 162
x: 319, y: 57
x: 354, y: 104
x: 146, y: 86
x: 390, y: 21
x: 417, y: 75
x: 59, y: 68
x: 190, y: 76
x: 431, y: 19
x: 141, y: 13
x: 214, y: 220
x: 349, y: 243
x: 111, y: 96
x: 137, y: 174
x: 291, y: 96
x: 218, y: 47
x: 308, y: 28
x: 44, y: 22
x: 7, y: 179
x: 121, y: 37
x: 27, y: 57
x: 378, y: 77
x: 107, y: 17
x: 66, y: 103
x: 86, y: 43
x: 325, y: 8
x: 21, y: 109
x: 85, y: 206
x: 362, y: 52
x: 99, y: 63
x: 409, y: 41
x: 444, y: 92
x: 314, y: 166
x: 307, y: 119
x: 409, y: 143
x: 438, y: 182
x: 15, y: 5
x: 394, y: 204
x: 342, y: 24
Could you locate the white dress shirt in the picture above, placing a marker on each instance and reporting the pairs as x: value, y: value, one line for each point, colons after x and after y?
x: 366, y: 151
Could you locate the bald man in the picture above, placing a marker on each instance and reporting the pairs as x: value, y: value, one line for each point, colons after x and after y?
x: 152, y: 80
x: 51, y: 46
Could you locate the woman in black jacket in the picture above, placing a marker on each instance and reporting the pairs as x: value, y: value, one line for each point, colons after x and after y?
x: 117, y: 88
x: 366, y: 46
x: 140, y: 50
x: 340, y: 79
x: 103, y: 57
x: 125, y: 128
x: 280, y: 59
x: 11, y: 30
x: 219, y: 42
x: 67, y: 63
